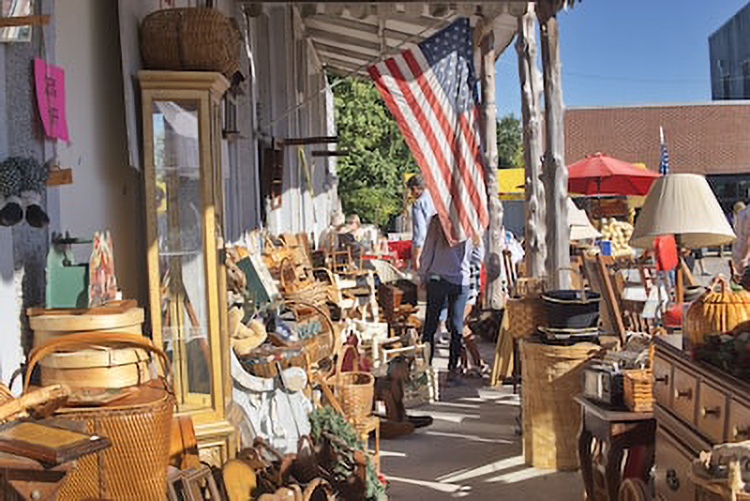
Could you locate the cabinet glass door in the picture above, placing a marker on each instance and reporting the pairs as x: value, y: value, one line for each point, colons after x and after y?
x: 180, y: 232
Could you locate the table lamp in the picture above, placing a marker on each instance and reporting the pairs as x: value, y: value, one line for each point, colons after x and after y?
x: 682, y: 205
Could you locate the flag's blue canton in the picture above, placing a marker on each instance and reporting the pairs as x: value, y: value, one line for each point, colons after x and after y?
x: 664, y: 163
x: 449, y: 54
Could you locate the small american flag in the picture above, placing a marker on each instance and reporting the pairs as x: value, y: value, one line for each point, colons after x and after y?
x: 432, y: 92
x: 664, y: 159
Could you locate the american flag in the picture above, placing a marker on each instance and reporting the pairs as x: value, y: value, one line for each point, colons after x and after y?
x: 432, y: 92
x: 664, y: 160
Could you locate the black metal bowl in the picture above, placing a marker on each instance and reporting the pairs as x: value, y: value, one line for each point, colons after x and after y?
x: 571, y: 309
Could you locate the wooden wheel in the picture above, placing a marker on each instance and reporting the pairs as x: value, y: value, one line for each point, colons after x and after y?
x: 633, y: 489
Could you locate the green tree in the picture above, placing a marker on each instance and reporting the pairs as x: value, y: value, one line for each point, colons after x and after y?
x: 509, y: 142
x: 371, y: 176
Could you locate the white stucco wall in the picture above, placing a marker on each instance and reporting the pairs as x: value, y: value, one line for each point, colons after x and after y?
x: 106, y: 191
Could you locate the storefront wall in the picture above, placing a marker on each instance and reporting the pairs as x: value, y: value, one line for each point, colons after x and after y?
x: 83, y: 37
x: 23, y: 249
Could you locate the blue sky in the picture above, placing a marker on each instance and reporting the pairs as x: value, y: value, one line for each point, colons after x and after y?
x: 621, y: 53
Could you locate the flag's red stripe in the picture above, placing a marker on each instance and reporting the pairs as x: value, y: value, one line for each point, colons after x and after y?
x: 468, y: 133
x: 411, y: 141
x: 453, y: 140
x: 423, y: 123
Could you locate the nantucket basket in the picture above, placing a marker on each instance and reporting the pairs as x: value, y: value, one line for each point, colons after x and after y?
x: 139, y: 426
x: 193, y: 38
x: 355, y: 390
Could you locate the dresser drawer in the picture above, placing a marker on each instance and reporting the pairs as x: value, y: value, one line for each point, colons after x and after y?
x: 670, y: 470
x: 662, y: 382
x: 684, y: 394
x: 738, y: 429
x: 712, y: 413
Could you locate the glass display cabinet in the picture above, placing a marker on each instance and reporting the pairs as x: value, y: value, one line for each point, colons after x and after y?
x: 183, y: 194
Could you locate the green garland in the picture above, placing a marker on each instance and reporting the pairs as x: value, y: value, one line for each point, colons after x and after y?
x: 330, y: 421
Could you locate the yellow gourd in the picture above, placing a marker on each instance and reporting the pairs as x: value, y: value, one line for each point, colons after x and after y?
x: 719, y: 309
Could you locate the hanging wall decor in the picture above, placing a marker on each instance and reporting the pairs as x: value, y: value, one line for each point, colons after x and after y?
x: 50, y: 96
x: 22, y: 182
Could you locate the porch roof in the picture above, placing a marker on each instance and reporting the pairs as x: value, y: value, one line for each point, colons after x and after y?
x: 348, y: 37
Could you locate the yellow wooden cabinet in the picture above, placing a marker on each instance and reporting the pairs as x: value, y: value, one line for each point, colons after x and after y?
x: 183, y: 194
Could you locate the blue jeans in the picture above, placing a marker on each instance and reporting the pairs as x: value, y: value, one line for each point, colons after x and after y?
x: 438, y: 292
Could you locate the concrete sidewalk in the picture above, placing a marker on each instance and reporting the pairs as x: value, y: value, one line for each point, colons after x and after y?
x: 472, y: 451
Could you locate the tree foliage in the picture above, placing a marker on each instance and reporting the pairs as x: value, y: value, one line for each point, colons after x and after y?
x: 370, y: 177
x: 509, y: 142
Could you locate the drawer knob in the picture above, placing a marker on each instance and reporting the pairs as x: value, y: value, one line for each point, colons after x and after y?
x: 672, y: 481
x: 686, y: 394
x: 662, y: 379
x: 712, y: 411
x: 741, y: 432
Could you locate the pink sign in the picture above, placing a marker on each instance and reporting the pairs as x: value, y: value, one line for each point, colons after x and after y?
x: 50, y: 96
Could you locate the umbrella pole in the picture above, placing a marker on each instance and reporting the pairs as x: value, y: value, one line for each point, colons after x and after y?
x: 679, y: 288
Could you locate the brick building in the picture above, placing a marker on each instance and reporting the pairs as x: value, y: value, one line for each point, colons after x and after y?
x: 703, y: 138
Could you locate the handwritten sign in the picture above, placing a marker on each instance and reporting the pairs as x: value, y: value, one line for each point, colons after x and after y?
x: 50, y: 95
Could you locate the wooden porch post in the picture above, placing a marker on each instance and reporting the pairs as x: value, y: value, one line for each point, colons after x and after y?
x: 530, y: 80
x: 494, y: 297
x: 555, y: 173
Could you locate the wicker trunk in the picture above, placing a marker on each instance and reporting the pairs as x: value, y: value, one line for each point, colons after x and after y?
x: 551, y: 418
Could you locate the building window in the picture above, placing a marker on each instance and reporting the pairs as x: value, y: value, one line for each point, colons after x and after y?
x: 746, y: 79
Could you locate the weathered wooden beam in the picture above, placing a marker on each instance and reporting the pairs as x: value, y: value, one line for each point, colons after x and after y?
x: 296, y: 141
x: 337, y: 38
x: 346, y: 66
x: 325, y: 48
x: 317, y: 21
x: 330, y: 153
x: 555, y: 174
x: 10, y: 22
x: 530, y: 80
x: 495, y: 296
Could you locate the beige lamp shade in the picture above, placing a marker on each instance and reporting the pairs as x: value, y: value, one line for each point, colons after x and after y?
x: 682, y: 205
x: 580, y: 226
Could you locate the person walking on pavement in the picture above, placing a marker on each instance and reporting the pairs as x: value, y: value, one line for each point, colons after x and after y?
x: 422, y: 211
x: 446, y: 271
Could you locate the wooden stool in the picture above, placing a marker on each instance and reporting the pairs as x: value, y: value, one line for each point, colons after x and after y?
x: 364, y: 428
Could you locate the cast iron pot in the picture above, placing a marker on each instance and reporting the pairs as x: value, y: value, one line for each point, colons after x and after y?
x: 571, y: 309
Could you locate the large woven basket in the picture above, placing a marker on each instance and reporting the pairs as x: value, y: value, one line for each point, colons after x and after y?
x: 355, y: 390
x: 552, y: 377
x: 139, y: 426
x: 195, y: 38
x: 525, y: 316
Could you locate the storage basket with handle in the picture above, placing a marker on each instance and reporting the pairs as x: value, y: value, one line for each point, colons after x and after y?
x: 355, y: 390
x: 135, y: 467
x: 193, y: 38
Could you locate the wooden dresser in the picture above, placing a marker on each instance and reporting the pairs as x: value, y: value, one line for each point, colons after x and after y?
x: 697, y: 406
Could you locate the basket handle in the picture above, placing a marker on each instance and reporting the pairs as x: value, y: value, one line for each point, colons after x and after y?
x: 87, y: 339
x: 332, y: 329
x: 721, y: 282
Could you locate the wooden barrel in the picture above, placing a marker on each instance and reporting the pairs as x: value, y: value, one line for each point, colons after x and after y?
x: 97, y: 367
x: 116, y: 316
x: 552, y: 377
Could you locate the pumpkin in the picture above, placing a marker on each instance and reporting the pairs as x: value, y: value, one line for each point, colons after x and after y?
x: 717, y: 310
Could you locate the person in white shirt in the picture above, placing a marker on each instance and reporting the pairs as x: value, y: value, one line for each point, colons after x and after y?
x: 327, y: 241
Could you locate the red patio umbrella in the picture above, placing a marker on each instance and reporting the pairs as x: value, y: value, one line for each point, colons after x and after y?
x: 599, y: 174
